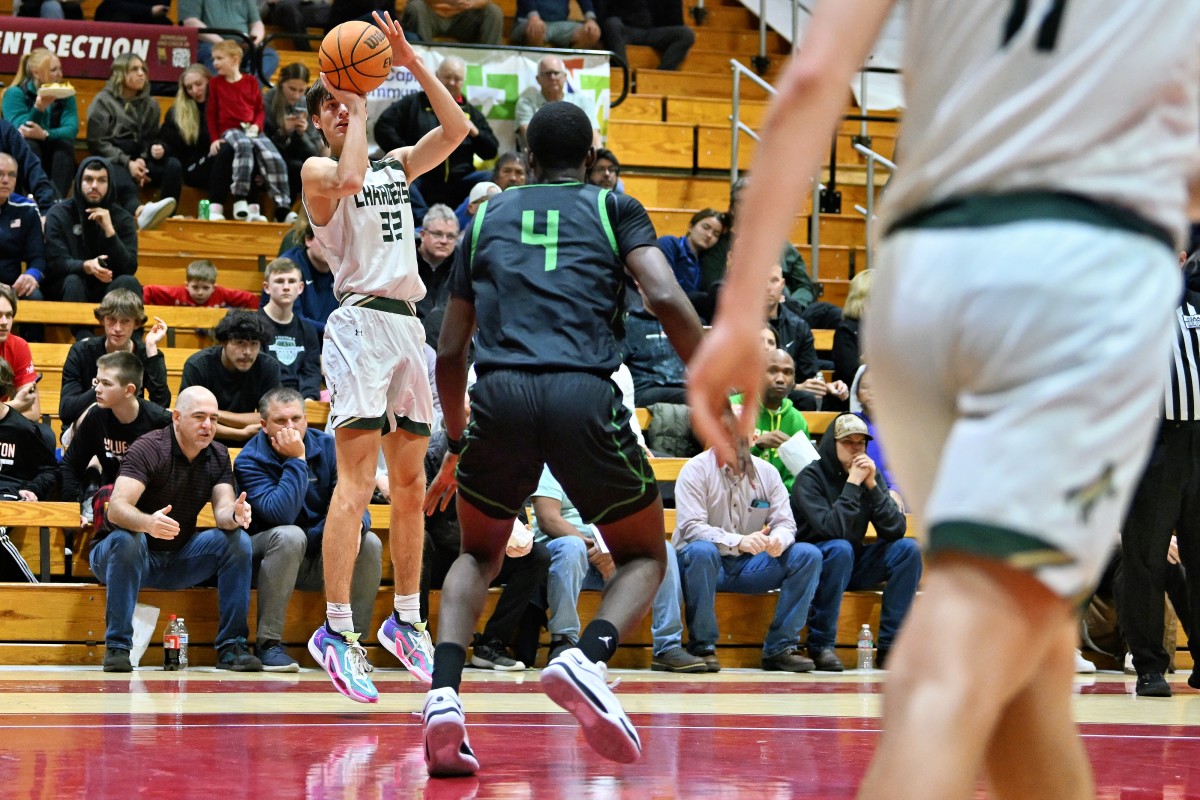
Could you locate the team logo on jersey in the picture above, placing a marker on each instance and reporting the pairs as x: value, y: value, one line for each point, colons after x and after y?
x: 1088, y: 496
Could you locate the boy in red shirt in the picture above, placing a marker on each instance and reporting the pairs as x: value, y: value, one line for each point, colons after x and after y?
x: 15, y: 351
x: 200, y: 289
x: 235, y: 119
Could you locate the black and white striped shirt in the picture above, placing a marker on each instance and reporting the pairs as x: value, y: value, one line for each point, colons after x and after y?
x: 1183, y: 391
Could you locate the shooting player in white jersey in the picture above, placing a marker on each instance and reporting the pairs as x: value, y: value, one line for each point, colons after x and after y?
x: 373, y: 358
x: 1020, y: 323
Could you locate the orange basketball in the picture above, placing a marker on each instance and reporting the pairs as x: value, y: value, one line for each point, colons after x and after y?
x: 356, y: 57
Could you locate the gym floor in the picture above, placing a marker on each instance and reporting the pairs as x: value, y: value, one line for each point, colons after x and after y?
x: 79, y: 733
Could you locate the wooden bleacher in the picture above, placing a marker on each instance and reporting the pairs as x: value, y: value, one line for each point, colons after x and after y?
x: 63, y: 623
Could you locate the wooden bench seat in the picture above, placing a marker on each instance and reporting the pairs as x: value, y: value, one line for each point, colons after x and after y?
x: 63, y: 624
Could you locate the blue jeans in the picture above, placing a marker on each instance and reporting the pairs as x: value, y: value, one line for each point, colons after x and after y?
x: 706, y: 572
x: 123, y: 562
x: 570, y: 573
x: 897, y: 565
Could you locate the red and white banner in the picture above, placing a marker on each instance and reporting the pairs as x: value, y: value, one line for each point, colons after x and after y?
x: 87, y: 49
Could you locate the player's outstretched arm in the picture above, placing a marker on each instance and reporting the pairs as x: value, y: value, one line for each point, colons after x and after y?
x: 668, y: 302
x: 436, y: 146
x: 795, y: 133
x: 458, y: 326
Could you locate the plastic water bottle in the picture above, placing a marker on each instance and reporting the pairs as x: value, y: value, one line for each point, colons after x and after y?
x: 171, y: 645
x: 866, y: 648
x: 183, y: 644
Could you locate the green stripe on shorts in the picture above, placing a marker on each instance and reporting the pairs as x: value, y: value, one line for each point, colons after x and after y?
x: 986, y: 210
x: 1019, y: 550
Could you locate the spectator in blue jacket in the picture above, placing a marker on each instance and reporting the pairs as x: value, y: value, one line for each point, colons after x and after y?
x: 684, y: 252
x: 288, y: 473
x: 316, y: 302
x: 22, y: 248
x: 32, y: 180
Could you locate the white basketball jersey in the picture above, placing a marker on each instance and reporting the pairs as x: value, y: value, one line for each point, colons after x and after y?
x: 1099, y: 98
x: 370, y: 240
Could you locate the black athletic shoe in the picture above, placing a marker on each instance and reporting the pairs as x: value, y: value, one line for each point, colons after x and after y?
x: 237, y: 657
x: 116, y: 660
x: 1153, y: 684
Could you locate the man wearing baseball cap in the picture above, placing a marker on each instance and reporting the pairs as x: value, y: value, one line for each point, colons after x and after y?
x: 835, y: 499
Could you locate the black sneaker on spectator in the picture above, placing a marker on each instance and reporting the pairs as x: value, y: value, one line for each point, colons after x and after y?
x: 274, y: 657
x: 1153, y: 684
x: 493, y: 655
x: 237, y: 656
x: 153, y: 214
x: 116, y: 660
x: 677, y: 660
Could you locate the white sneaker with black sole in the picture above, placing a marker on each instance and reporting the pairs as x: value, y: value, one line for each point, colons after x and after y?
x: 581, y: 687
x: 448, y: 754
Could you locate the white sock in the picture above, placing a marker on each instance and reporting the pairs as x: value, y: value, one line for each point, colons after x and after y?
x: 340, y: 617
x: 408, y: 608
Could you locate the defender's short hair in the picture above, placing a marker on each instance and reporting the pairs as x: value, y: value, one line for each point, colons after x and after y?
x: 242, y: 324
x: 280, y: 265
x: 559, y: 135
x: 201, y: 270
x: 121, y: 304
x: 126, y: 365
x: 280, y: 394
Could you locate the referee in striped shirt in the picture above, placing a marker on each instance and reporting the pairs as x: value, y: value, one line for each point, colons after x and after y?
x: 1167, y: 501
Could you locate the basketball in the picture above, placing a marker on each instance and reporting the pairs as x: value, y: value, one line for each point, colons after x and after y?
x: 356, y: 57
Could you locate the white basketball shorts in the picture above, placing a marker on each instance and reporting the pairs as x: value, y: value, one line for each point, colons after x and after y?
x: 1019, y: 371
x: 374, y: 364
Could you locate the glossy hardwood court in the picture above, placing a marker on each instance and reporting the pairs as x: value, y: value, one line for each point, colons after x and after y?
x: 70, y: 732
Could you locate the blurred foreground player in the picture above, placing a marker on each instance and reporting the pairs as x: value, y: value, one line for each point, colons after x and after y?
x: 1020, y: 322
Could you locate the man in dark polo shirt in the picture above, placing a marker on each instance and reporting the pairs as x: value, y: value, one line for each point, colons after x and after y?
x: 559, y: 251
x: 150, y: 539
x: 237, y: 372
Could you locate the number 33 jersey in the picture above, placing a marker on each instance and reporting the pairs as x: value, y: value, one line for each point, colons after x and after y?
x: 1096, y: 98
x: 544, y: 266
x: 370, y: 241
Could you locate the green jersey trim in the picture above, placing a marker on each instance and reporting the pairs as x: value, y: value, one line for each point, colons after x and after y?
x: 604, y: 220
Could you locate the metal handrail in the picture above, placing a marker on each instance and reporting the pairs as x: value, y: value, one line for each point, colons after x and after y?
x: 869, y: 212
x: 861, y: 144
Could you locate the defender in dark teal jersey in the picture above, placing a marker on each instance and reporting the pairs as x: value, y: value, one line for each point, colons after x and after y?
x: 541, y: 275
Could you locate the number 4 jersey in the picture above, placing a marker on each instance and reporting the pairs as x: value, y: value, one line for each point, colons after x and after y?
x: 544, y: 266
x: 1090, y: 97
x: 372, y: 249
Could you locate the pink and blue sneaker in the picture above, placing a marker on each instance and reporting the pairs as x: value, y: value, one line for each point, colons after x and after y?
x: 410, y: 643
x: 346, y: 662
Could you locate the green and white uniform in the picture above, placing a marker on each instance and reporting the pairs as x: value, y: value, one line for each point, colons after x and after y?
x: 373, y: 357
